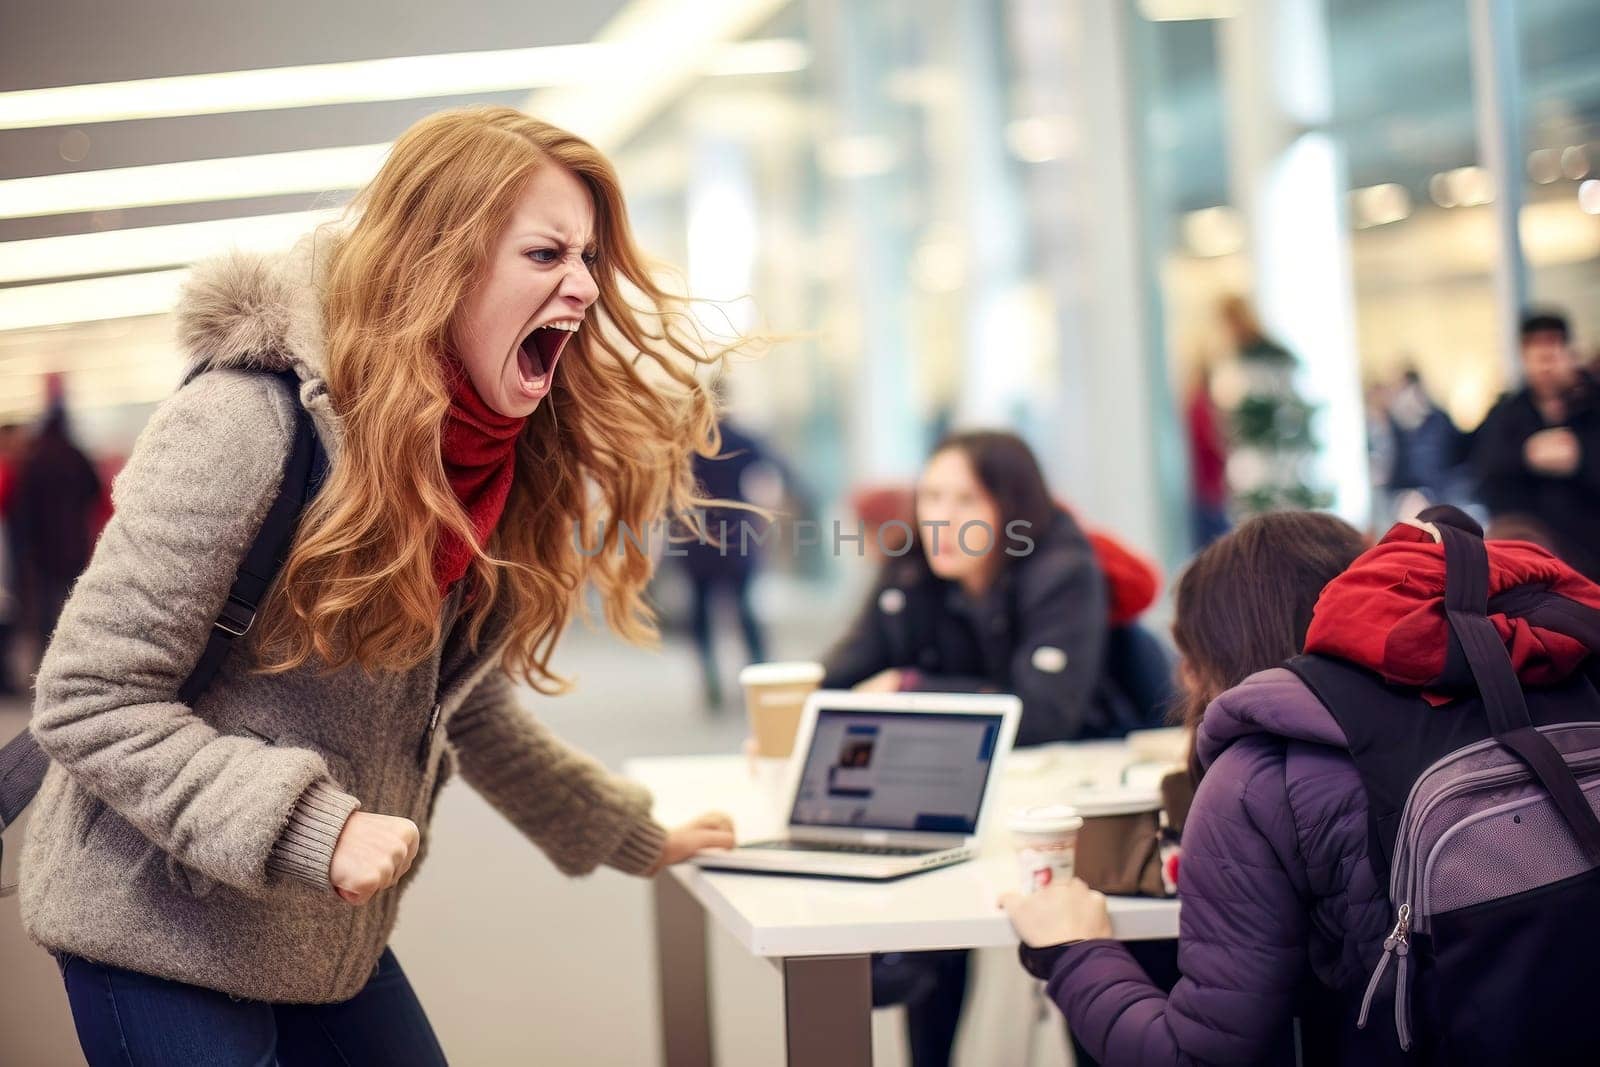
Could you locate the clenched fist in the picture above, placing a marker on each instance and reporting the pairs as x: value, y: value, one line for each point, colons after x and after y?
x: 373, y: 853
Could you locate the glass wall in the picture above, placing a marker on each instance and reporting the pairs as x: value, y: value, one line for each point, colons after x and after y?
x: 1558, y: 41
x: 1422, y: 222
x: 1393, y: 88
x: 919, y: 207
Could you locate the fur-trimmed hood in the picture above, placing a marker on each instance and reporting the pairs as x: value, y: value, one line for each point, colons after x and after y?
x: 263, y: 311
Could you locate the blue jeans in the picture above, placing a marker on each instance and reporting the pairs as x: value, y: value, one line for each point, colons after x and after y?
x: 127, y: 1019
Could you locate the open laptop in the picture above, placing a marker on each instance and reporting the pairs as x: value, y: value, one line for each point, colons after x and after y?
x: 885, y: 785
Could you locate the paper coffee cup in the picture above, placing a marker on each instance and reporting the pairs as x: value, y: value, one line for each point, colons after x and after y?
x: 1046, y: 840
x: 774, y: 697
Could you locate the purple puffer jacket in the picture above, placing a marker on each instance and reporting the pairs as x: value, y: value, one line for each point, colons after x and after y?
x: 1275, y: 881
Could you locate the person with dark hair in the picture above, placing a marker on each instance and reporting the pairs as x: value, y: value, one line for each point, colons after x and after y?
x: 1245, y: 606
x: 1208, y: 463
x: 1426, y: 444
x: 1273, y: 874
x: 997, y: 588
x: 725, y: 569
x: 12, y: 442
x: 1537, y: 453
x: 51, y: 516
x: 1268, y: 420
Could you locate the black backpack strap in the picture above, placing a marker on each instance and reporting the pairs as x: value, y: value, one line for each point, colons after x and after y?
x: 22, y: 767
x: 1391, y: 735
x: 23, y: 764
x: 1466, y: 607
x: 301, y: 473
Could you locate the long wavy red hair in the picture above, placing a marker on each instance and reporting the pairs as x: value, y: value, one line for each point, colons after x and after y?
x: 610, y: 445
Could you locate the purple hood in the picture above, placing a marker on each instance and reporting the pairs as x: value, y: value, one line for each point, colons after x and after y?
x: 1274, y: 702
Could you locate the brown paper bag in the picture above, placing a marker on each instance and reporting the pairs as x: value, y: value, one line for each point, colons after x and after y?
x: 1120, y: 855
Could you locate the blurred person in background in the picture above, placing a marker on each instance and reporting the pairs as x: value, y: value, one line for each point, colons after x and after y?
x: 882, y: 509
x: 1517, y: 527
x: 1380, y: 447
x: 972, y: 606
x: 1243, y: 329
x: 723, y: 569
x: 12, y: 441
x: 218, y: 877
x: 1537, y: 452
x: 1208, y: 463
x: 1424, y: 448
x: 986, y: 610
x: 1270, y: 443
x: 52, y: 518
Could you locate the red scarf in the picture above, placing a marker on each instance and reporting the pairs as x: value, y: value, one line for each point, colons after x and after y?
x: 479, y: 449
x: 1386, y: 613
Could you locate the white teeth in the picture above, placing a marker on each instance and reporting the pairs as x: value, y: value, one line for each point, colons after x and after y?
x: 570, y: 327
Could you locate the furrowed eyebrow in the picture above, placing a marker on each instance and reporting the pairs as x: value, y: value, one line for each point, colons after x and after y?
x: 557, y: 238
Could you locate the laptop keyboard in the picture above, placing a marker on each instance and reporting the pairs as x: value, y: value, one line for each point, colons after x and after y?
x: 824, y: 846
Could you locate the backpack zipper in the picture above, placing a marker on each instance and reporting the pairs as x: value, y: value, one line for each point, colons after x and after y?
x: 1396, y: 944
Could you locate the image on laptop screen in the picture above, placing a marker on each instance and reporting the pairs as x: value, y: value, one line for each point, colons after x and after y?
x: 896, y: 771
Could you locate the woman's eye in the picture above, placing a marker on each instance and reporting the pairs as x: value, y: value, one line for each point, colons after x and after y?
x: 591, y: 258
x: 543, y: 255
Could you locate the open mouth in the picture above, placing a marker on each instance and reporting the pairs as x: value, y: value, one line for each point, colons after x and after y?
x: 538, y: 354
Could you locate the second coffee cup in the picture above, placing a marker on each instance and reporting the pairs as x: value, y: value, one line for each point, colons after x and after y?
x: 775, y: 696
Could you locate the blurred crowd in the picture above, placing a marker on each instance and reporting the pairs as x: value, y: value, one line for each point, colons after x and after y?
x: 1530, y: 470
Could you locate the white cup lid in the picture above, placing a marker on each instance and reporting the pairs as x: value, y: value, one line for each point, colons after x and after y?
x: 1123, y: 800
x: 796, y: 672
x: 1045, y: 819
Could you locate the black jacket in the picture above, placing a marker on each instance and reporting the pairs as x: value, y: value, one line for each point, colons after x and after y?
x: 1569, y: 507
x: 56, y: 495
x: 1039, y: 632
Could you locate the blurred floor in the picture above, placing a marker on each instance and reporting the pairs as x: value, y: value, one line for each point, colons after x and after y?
x: 516, y: 964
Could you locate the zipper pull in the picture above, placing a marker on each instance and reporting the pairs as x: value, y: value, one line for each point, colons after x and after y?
x: 1402, y: 997
x: 1395, y: 944
x: 426, y: 745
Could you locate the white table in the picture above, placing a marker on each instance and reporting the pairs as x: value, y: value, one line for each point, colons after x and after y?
x: 821, y: 934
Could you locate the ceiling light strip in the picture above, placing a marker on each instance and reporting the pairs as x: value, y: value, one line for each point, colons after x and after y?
x: 150, y: 247
x: 369, y: 81
x: 28, y: 307
x: 233, y: 178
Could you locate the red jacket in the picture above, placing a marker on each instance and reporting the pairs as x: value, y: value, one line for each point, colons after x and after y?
x: 1386, y: 612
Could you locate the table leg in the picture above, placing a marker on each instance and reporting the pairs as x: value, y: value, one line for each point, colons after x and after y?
x: 827, y: 1011
x: 682, y: 975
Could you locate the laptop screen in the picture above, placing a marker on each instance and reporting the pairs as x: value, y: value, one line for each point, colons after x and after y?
x: 877, y: 770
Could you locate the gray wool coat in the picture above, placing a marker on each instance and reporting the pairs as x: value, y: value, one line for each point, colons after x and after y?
x: 193, y: 843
